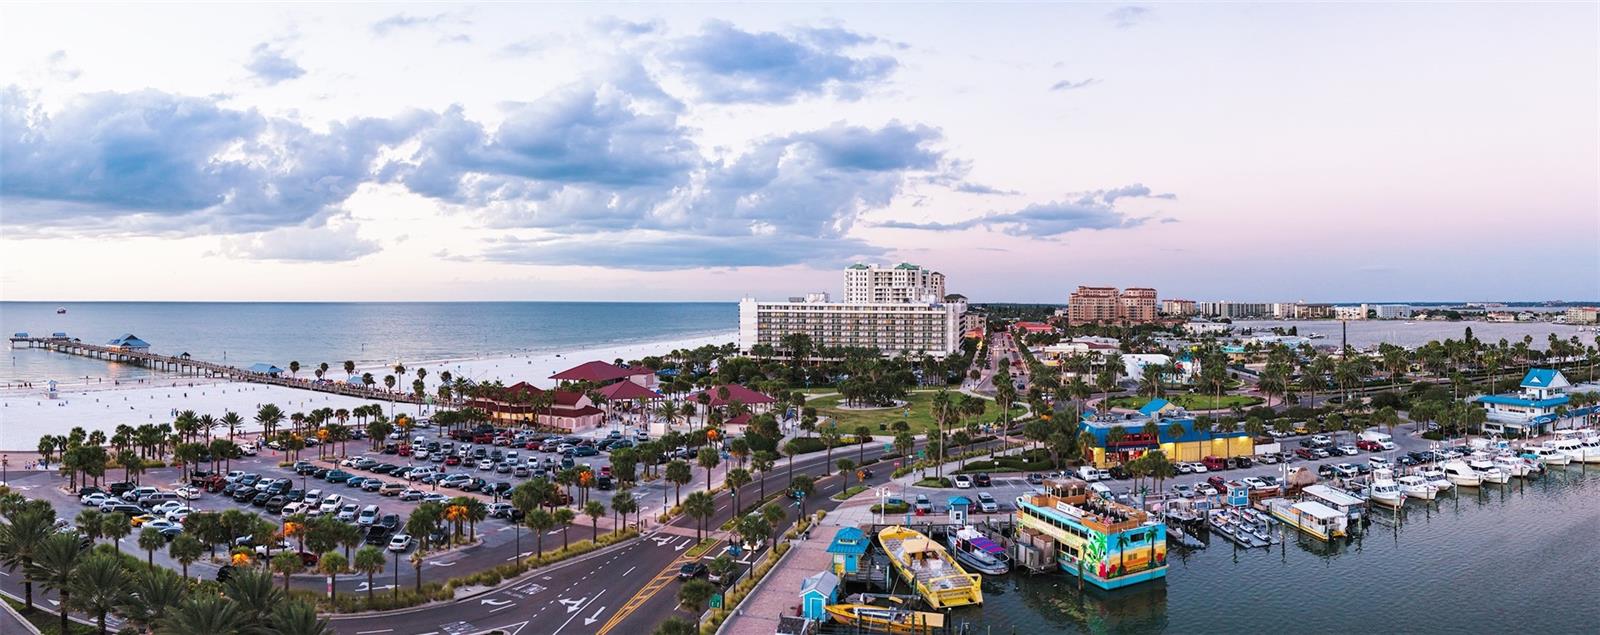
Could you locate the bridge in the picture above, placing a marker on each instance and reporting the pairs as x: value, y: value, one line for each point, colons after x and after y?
x: 186, y: 365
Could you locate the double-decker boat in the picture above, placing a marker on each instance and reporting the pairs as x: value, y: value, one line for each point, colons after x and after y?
x: 929, y: 569
x: 1108, y: 544
x: 1320, y: 521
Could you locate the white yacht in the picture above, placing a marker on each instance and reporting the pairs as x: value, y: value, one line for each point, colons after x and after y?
x: 1459, y: 473
x: 1566, y: 444
x: 1417, y: 487
x: 1488, y: 472
x: 1384, y: 491
x: 1591, y: 446
x: 1546, y: 455
x: 1512, y: 465
x: 1437, y: 478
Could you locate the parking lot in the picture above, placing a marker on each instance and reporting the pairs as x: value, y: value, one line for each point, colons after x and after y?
x: 274, y: 486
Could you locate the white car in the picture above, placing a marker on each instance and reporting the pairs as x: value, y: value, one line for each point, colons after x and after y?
x: 1386, y: 445
x: 1198, y: 468
x: 293, y: 508
x: 96, y: 499
x: 485, y: 464
x: 349, y: 461
x: 164, y: 508
x: 158, y: 524
x: 987, y: 503
x: 1378, y: 462
x: 400, y: 542
x: 419, y: 455
x: 248, y: 449
x: 347, y: 513
x: 963, y: 481
x: 233, y: 476
x: 313, y: 497
x: 188, y: 493
x: 1255, y: 483
x: 180, y: 515
x: 330, y: 504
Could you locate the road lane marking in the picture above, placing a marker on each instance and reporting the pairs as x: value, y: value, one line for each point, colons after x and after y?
x: 574, y: 613
x: 385, y: 630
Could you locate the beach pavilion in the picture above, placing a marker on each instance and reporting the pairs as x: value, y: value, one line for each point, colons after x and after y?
x: 568, y: 411
x: 725, y: 396
x: 603, y: 373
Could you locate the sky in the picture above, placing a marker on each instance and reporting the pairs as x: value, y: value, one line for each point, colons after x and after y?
x: 1264, y: 152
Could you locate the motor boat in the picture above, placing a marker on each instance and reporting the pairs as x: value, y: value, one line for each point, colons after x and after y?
x: 1546, y: 455
x: 1591, y: 446
x: 1384, y: 491
x: 977, y: 552
x: 1414, y: 486
x: 1461, y: 474
x: 1512, y: 465
x: 1488, y: 472
x: 1436, y: 477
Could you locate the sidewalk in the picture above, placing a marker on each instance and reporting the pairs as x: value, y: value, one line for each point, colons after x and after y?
x: 779, y: 592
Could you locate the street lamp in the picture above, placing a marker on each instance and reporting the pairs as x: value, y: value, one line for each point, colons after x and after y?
x: 5, y: 467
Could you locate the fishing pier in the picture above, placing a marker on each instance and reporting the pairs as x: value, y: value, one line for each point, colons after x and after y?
x: 129, y: 349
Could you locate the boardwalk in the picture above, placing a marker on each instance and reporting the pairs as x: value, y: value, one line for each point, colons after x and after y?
x: 185, y: 365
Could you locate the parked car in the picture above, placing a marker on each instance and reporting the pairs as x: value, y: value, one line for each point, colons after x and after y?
x: 981, y: 479
x: 368, y: 515
x: 400, y: 543
x: 987, y: 504
x: 1348, y: 450
x: 923, y: 505
x: 963, y: 481
x: 691, y: 570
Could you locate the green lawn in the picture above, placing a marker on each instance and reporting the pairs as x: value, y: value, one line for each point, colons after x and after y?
x: 1191, y: 401
x: 919, y: 418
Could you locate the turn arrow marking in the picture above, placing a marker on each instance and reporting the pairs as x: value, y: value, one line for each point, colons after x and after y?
x: 492, y: 602
x: 591, y: 620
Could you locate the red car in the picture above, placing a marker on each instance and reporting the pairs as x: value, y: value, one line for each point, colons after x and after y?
x: 404, y: 450
x: 452, y: 460
x: 1370, y: 446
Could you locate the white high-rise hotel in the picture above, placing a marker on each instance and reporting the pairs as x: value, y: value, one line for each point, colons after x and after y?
x: 896, y: 310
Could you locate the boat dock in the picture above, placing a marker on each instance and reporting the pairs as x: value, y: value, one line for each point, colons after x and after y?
x: 186, y: 365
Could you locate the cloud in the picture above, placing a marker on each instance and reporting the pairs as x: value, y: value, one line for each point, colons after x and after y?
x: 1067, y: 84
x: 1088, y: 210
x: 662, y: 252
x: 969, y: 187
x: 1127, y: 17
x: 402, y: 21
x: 615, y: 26
x: 270, y: 66
x: 60, y: 69
x: 727, y: 65
x: 150, y: 162
x: 337, y: 242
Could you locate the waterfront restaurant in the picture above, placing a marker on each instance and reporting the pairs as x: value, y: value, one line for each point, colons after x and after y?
x: 1133, y: 443
x: 1534, y: 409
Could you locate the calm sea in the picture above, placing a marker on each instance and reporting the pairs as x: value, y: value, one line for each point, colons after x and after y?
x: 1366, y: 333
x: 1514, y: 559
x: 246, y: 333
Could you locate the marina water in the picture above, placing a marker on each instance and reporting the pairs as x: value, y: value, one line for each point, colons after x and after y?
x: 311, y: 333
x: 1524, y: 557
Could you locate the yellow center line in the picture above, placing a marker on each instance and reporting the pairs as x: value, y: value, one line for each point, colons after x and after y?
x: 651, y: 588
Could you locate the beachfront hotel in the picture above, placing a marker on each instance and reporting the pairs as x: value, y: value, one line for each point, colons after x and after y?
x: 903, y: 311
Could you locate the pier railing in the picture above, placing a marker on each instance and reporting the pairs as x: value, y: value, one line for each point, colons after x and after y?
x: 187, y: 365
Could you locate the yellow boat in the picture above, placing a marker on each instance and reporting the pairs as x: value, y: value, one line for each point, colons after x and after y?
x: 929, y: 569
x: 888, y: 620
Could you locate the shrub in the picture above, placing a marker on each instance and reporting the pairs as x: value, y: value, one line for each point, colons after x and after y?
x: 892, y: 508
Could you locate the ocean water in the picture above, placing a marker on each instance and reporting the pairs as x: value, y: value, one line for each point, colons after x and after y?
x: 277, y: 333
x: 1518, y: 558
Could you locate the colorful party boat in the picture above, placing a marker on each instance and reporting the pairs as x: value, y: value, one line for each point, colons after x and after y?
x: 1108, y: 544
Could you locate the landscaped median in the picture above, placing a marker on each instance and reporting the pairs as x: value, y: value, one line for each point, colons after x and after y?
x: 851, y: 491
x: 970, y: 454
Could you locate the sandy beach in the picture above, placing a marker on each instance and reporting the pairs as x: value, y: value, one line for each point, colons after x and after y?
x: 28, y: 413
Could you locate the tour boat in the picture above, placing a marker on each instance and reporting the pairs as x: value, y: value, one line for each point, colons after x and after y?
x: 1385, y: 491
x: 1417, y: 487
x: 928, y: 568
x: 1459, y: 473
x: 883, y: 619
x: 1320, y: 521
x: 977, y: 552
x: 1546, y: 455
x: 1105, y: 543
x: 1487, y: 472
x: 1591, y: 446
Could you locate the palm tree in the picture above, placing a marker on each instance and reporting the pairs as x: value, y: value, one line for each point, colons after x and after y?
x: 99, y: 584
x: 709, y: 458
x: 252, y: 591
x: 297, y: 618
x: 737, y: 478
x: 678, y: 474
x: 287, y: 563
x: 700, y: 506
x: 594, y: 510
x: 185, y: 549
x: 563, y: 517
x: 369, y: 560
x: 114, y: 527
x: 55, y: 565
x: 540, y: 521
x: 151, y: 595
x: 332, y: 564
x: 763, y: 461
x: 20, y: 542
x: 150, y: 539
x: 204, y: 614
